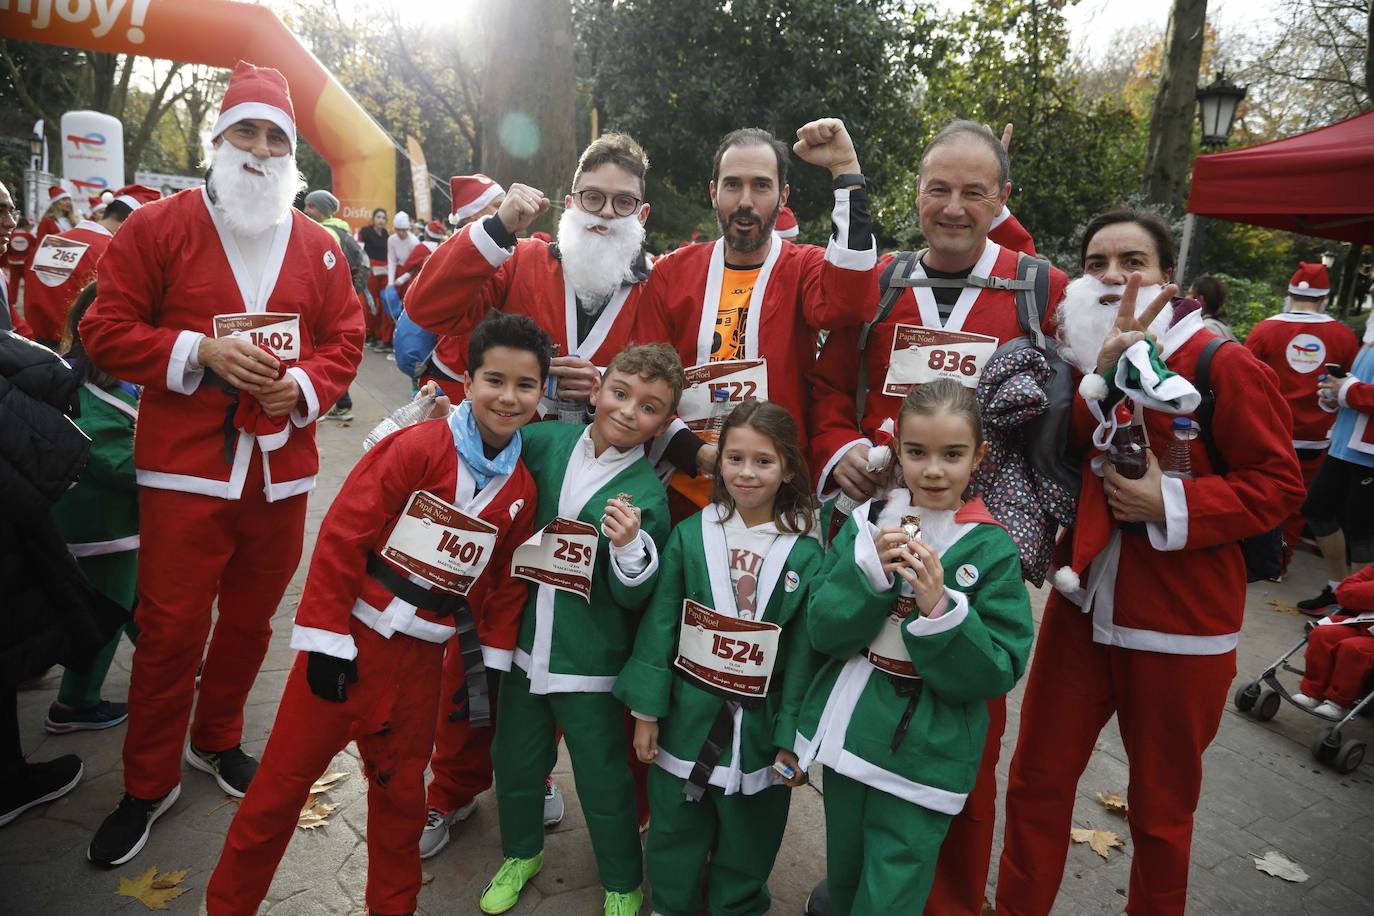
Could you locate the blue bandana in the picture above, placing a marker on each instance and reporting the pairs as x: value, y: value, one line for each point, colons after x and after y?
x: 468, y: 441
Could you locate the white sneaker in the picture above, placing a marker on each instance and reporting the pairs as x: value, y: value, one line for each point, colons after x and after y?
x: 553, y: 803
x: 1305, y: 701
x: 1333, y: 711
x: 437, y: 822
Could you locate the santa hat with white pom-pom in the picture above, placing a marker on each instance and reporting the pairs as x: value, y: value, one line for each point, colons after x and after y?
x: 880, y: 455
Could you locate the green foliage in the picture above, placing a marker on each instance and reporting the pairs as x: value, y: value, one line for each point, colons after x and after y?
x: 1248, y: 302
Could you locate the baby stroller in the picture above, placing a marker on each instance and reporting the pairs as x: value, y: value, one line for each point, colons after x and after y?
x: 1261, y: 697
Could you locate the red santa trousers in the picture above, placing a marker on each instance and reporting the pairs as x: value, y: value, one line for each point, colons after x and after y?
x: 1338, y: 663
x: 390, y: 713
x: 193, y: 549
x: 1292, y: 528
x: 1168, y: 708
x: 961, y: 873
x: 379, y: 325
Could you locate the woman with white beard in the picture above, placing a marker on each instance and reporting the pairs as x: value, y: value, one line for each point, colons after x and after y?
x: 1151, y: 590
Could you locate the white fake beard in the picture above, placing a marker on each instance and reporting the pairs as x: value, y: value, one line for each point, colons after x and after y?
x: 596, y: 263
x: 252, y: 204
x: 1085, y: 321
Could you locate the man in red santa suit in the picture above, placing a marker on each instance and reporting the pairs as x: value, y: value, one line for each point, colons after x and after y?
x: 238, y: 316
x: 963, y: 189
x: 1152, y: 587
x: 744, y: 312
x: 66, y: 261
x: 402, y: 242
x: 18, y: 256
x: 583, y: 291
x: 435, y: 233
x: 10, y: 320
x: 1297, y: 344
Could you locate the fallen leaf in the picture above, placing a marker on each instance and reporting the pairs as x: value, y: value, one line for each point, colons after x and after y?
x: 1098, y: 840
x: 1113, y: 802
x: 152, y: 889
x: 326, y: 782
x: 987, y: 909
x: 426, y: 877
x: 1283, y: 608
x: 314, y: 814
x: 1280, y: 866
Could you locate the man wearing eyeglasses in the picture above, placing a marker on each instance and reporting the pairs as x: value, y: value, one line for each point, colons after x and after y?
x: 744, y: 312
x: 582, y: 290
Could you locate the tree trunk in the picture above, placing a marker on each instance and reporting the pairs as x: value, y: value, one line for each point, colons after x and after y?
x: 1171, y: 119
x: 528, y: 111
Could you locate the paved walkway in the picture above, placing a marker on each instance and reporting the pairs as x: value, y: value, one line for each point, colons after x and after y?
x: 1262, y: 792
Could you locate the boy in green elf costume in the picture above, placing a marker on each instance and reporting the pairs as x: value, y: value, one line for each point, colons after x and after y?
x: 602, y: 512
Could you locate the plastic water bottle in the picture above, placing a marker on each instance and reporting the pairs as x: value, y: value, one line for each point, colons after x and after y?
x: 569, y: 411
x: 721, y: 408
x: 1180, y: 450
x: 401, y: 417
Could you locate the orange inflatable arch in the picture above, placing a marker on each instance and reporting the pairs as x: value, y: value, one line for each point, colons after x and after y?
x: 220, y: 33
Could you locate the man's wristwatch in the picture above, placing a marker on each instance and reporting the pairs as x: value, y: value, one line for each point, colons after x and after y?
x: 850, y: 180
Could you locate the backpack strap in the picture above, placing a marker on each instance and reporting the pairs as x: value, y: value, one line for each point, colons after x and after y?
x: 1032, y: 289
x: 1207, y: 406
x: 891, y: 287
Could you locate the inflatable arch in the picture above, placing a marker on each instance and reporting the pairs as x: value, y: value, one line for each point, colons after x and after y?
x: 219, y: 33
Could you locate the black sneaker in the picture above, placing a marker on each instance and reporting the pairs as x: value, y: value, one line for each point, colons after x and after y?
x: 64, y: 719
x: 818, y: 901
x: 232, y: 769
x: 124, y: 832
x: 1320, y: 605
x: 36, y: 783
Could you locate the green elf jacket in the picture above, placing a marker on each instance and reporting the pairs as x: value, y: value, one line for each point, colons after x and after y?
x: 100, y: 514
x: 569, y: 644
x: 972, y: 653
x: 696, y: 565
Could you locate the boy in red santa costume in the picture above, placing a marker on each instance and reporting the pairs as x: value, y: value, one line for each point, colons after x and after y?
x: 417, y: 546
x: 238, y: 316
x: 1152, y: 587
x: 1297, y: 344
x: 1340, y: 651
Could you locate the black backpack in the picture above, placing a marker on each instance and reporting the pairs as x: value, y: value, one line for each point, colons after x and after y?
x: 1266, y: 555
x: 1047, y: 436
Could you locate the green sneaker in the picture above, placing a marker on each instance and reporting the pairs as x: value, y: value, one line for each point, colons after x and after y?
x: 504, y: 890
x: 618, y: 904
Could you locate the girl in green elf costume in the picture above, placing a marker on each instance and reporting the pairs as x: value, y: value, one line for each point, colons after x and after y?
x: 99, y: 519
x: 720, y: 665
x: 921, y: 608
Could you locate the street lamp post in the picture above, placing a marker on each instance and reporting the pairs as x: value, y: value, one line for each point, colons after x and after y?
x: 35, y: 157
x: 1217, y: 107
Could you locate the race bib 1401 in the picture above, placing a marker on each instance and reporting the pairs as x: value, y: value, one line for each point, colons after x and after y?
x: 440, y: 543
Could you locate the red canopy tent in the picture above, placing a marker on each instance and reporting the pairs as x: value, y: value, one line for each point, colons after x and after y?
x: 1319, y: 183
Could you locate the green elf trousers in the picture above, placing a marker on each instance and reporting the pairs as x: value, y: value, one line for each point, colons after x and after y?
x: 524, y: 750
x: 880, y: 850
x: 114, y: 575
x: 740, y: 833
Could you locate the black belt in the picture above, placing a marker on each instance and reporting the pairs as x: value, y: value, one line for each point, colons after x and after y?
x: 444, y: 604
x: 911, y: 688
x: 721, y: 732
x: 231, y: 433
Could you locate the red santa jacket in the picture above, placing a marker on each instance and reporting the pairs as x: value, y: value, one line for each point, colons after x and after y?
x: 1178, y: 587
x: 1297, y: 346
x: 803, y: 289
x: 48, y: 226
x: 61, y: 267
x: 411, y: 268
x: 834, y: 378
x: 1356, y: 593
x: 171, y: 269
x: 470, y: 274
x: 359, y: 522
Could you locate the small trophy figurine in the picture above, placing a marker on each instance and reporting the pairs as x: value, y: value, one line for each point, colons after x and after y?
x: 911, y: 526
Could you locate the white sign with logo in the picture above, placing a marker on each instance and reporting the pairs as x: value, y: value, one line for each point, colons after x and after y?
x: 92, y: 153
x: 1305, y: 353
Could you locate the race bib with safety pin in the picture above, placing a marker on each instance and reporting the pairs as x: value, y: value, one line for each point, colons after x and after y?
x: 56, y: 259
x: 278, y: 331
x: 921, y: 355
x: 726, y: 654
x: 440, y: 543
x: 888, y: 651
x: 560, y: 555
x: 739, y: 379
